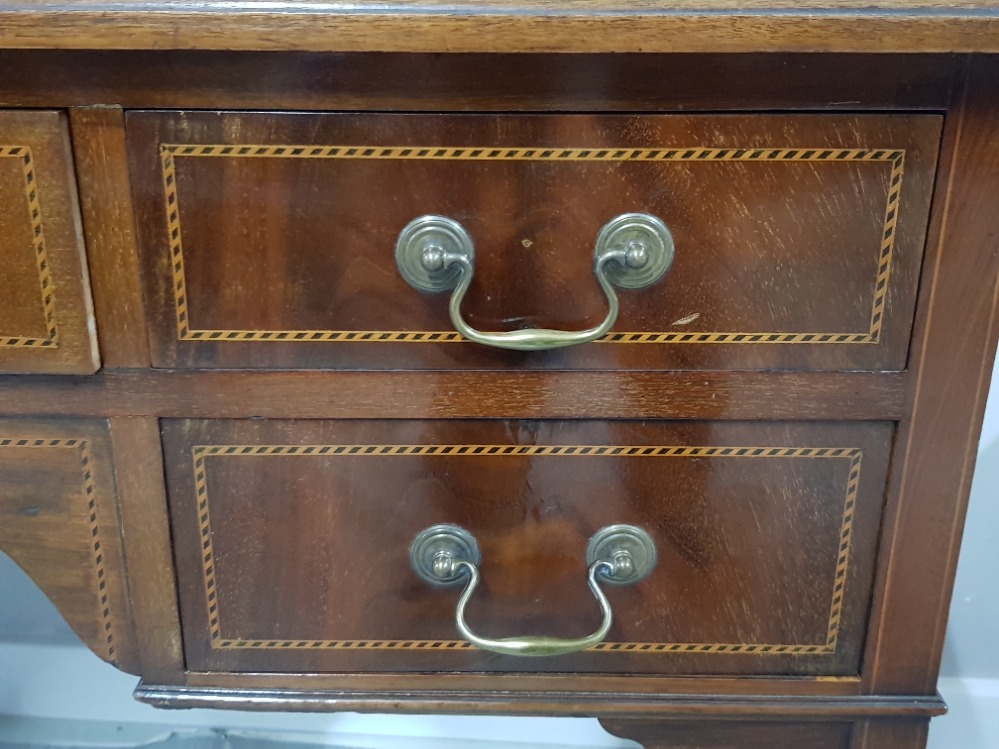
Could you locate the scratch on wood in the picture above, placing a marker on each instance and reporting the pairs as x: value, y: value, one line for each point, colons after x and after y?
x: 687, y: 320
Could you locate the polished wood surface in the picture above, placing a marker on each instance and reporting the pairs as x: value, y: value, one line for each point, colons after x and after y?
x: 46, y: 320
x: 508, y: 26
x: 59, y: 522
x: 263, y: 245
x: 757, y: 542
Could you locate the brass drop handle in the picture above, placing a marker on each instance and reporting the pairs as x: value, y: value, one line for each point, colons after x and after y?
x: 448, y: 554
x: 436, y: 253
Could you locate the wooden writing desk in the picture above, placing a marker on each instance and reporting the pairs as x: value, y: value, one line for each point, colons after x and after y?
x: 236, y: 396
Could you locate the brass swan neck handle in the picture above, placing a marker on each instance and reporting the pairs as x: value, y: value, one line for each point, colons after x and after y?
x: 618, y: 554
x: 436, y: 253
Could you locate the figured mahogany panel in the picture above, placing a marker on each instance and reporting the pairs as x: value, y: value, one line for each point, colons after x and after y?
x: 46, y: 320
x: 291, y: 542
x: 268, y: 239
x: 59, y: 522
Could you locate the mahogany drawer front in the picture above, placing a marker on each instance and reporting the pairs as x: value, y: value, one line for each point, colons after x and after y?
x: 292, y: 542
x: 46, y: 317
x: 268, y: 239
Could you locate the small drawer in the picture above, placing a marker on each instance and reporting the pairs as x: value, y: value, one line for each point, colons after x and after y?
x: 59, y: 522
x: 786, y: 242
x: 293, y: 543
x: 46, y: 316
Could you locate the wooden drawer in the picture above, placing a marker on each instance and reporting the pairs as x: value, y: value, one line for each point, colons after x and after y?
x: 292, y: 542
x: 59, y: 522
x: 268, y: 239
x: 46, y: 318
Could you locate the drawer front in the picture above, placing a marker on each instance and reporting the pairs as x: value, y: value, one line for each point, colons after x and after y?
x: 59, y: 522
x: 46, y: 318
x: 269, y: 239
x: 292, y: 542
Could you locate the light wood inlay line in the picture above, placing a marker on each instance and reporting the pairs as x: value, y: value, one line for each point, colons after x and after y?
x: 47, y: 287
x: 854, y: 456
x: 169, y: 153
x: 88, y: 491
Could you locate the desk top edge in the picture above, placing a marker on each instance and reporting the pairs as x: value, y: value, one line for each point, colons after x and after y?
x: 505, y: 26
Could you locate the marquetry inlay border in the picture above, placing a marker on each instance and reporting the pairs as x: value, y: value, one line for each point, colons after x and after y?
x: 46, y: 285
x: 94, y: 542
x: 169, y: 153
x: 853, y: 456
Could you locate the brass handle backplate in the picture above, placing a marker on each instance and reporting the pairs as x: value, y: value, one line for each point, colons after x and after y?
x: 436, y: 253
x: 448, y: 555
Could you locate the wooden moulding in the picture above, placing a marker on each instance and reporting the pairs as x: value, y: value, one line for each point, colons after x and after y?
x: 212, y: 189
x: 46, y: 316
x: 515, y: 26
x: 594, y: 704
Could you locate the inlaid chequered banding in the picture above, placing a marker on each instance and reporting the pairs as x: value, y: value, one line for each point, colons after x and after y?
x: 201, y: 452
x: 170, y: 152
